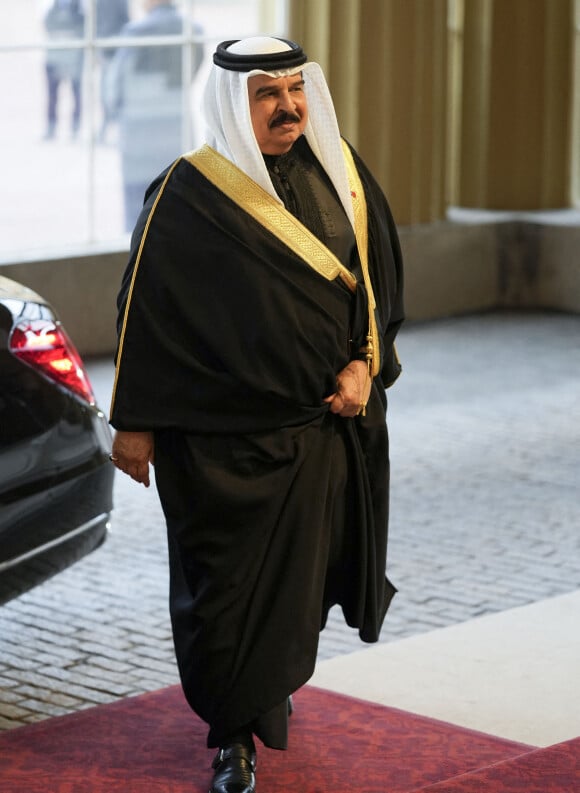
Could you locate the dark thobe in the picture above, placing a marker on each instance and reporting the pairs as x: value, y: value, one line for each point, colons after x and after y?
x: 276, y: 508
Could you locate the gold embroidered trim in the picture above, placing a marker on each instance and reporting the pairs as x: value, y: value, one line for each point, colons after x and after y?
x: 235, y: 184
x: 133, y: 277
x: 282, y: 224
x: 362, y: 238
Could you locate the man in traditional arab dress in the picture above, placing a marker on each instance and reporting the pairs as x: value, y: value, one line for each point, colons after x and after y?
x: 257, y: 319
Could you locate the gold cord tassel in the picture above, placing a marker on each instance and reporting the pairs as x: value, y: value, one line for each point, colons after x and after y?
x: 368, y: 349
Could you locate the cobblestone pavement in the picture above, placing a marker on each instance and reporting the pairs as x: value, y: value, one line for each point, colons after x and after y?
x: 485, y: 439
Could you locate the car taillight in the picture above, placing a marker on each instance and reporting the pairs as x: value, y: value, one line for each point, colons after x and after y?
x: 45, y: 346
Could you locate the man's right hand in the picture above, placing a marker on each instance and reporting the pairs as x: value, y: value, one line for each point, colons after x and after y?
x: 132, y: 453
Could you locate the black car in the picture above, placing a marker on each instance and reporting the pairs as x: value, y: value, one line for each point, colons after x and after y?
x: 56, y: 478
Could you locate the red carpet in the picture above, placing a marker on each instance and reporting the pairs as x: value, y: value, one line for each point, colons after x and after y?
x: 556, y: 768
x: 154, y: 744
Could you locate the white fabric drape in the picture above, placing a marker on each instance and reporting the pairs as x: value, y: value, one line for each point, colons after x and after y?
x: 229, y: 126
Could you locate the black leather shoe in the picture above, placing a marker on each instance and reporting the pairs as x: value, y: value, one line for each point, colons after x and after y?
x: 235, y: 767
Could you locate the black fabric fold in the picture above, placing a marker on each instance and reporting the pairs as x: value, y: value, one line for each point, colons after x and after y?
x: 276, y: 509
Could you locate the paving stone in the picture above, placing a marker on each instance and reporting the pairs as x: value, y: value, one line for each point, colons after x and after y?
x: 14, y: 713
x: 78, y: 686
x: 46, y: 709
x: 157, y: 666
x: 49, y: 697
x: 146, y: 682
x: 15, y: 661
x: 12, y: 695
x: 8, y: 724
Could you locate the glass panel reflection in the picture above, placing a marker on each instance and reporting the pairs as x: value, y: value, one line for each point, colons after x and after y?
x: 98, y: 97
x: 46, y: 201
x: 63, y: 21
x: 142, y: 91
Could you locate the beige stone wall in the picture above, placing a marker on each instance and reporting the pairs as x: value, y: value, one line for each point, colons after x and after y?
x: 450, y: 269
x: 458, y: 268
x: 83, y: 290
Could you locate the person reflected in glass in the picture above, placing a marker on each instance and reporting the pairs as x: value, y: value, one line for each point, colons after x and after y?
x: 64, y: 19
x: 143, y: 88
x: 111, y: 16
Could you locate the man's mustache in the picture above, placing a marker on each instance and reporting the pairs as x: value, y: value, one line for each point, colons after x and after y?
x: 284, y: 118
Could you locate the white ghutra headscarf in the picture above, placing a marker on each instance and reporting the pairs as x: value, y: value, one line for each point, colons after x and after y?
x: 226, y: 104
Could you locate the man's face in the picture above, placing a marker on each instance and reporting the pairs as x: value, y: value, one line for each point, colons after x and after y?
x: 278, y: 110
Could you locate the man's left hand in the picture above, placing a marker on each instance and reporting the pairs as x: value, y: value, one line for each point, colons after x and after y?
x: 353, y: 387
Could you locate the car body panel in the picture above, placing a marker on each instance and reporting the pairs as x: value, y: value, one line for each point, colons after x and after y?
x: 55, y: 475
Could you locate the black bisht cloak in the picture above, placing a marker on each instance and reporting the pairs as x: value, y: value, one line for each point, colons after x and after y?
x: 276, y: 509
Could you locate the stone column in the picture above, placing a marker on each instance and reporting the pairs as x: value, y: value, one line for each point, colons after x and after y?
x: 516, y: 103
x: 575, y: 136
x: 385, y: 61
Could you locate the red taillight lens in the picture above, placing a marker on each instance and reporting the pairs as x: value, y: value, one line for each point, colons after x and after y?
x: 46, y: 346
